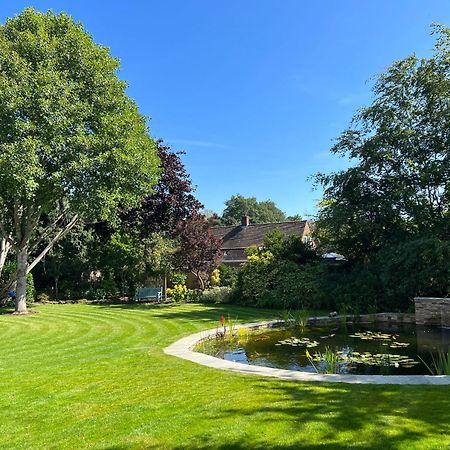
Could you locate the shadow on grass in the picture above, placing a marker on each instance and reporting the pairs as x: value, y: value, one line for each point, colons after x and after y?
x: 9, y: 310
x: 339, y: 417
x: 194, y: 311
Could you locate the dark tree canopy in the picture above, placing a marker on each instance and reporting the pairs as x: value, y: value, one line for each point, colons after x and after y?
x: 199, y: 250
x: 172, y: 200
x: 259, y: 212
x: 398, y: 185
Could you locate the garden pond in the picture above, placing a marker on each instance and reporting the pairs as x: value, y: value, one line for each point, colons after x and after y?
x: 369, y: 349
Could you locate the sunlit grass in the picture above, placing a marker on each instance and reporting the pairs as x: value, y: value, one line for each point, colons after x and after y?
x: 82, y: 376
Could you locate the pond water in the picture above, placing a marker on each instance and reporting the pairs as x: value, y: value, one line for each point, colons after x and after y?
x: 361, y: 349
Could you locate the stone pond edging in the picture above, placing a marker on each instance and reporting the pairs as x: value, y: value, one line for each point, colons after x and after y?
x: 183, y: 349
x: 432, y: 311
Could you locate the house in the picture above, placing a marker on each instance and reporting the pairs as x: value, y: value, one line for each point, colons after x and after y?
x: 237, y: 238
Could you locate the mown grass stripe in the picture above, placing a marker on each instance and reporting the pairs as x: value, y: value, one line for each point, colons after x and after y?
x: 96, y: 377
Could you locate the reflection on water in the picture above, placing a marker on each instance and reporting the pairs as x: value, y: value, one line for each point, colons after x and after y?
x: 368, y: 349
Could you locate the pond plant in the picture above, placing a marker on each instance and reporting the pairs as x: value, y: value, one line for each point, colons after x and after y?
x: 295, y: 319
x: 300, y: 318
x: 440, y: 363
x: 328, y: 361
x: 298, y: 342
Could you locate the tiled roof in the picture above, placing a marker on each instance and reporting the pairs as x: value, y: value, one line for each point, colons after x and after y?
x: 238, y: 237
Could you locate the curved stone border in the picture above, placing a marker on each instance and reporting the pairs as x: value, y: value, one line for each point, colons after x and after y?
x: 183, y: 349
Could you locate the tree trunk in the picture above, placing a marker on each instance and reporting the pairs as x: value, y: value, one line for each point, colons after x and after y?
x: 5, y: 246
x: 165, y: 286
x: 56, y: 288
x: 21, y: 291
x: 38, y: 259
x: 200, y: 280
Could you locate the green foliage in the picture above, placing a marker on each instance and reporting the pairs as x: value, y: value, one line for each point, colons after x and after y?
x: 178, y: 293
x: 295, y: 318
x: 294, y: 218
x: 66, y: 122
x: 228, y: 275
x: 217, y: 294
x: 291, y: 279
x: 300, y: 318
x: 282, y: 275
x: 397, y: 185
x: 120, y: 263
x: 178, y: 278
x: 259, y: 212
x: 289, y: 248
x: 391, y: 279
x: 107, y: 287
x: 43, y: 297
x: 71, y: 140
x: 94, y: 265
x: 326, y: 362
x: 194, y: 295
x: 440, y: 363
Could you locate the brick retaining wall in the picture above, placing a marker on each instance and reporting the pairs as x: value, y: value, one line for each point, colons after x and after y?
x: 432, y: 311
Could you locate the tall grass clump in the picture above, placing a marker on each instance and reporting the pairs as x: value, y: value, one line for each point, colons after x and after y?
x: 440, y: 363
x: 326, y: 362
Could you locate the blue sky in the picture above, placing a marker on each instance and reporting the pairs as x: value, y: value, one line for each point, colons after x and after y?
x: 255, y: 91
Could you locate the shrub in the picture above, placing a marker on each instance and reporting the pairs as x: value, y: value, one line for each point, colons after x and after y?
x: 43, y: 297
x: 193, y: 295
x: 215, y: 277
x: 228, y: 275
x: 107, y: 286
x: 217, y: 294
x: 178, y: 293
x: 178, y: 278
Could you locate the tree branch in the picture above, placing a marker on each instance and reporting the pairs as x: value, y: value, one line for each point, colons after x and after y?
x: 61, y: 233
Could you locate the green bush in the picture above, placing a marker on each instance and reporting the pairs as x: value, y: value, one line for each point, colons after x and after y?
x: 178, y: 293
x: 284, y: 274
x: 193, y: 295
x: 217, y: 294
x: 107, y: 287
x: 43, y: 297
x: 178, y: 278
x: 391, y: 278
x: 228, y: 275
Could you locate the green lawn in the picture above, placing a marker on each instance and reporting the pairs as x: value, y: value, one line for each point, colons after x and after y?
x: 85, y: 376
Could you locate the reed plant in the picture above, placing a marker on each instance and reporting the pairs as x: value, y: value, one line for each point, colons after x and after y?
x: 440, y: 363
x: 326, y: 362
x: 300, y: 318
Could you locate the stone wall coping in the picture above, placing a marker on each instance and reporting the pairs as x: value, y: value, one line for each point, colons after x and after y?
x: 183, y: 349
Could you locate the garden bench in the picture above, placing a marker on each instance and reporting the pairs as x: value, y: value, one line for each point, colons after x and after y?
x: 147, y: 293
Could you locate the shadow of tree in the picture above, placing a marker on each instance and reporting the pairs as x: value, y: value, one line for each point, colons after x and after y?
x: 334, y: 416
x: 198, y: 312
x: 290, y: 415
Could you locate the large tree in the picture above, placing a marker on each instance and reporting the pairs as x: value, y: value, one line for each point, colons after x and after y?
x: 172, y: 200
x: 198, y: 249
x: 259, y: 212
x: 398, y: 184
x: 72, y: 143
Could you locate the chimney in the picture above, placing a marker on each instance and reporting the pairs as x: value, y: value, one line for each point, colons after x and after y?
x: 245, y: 221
